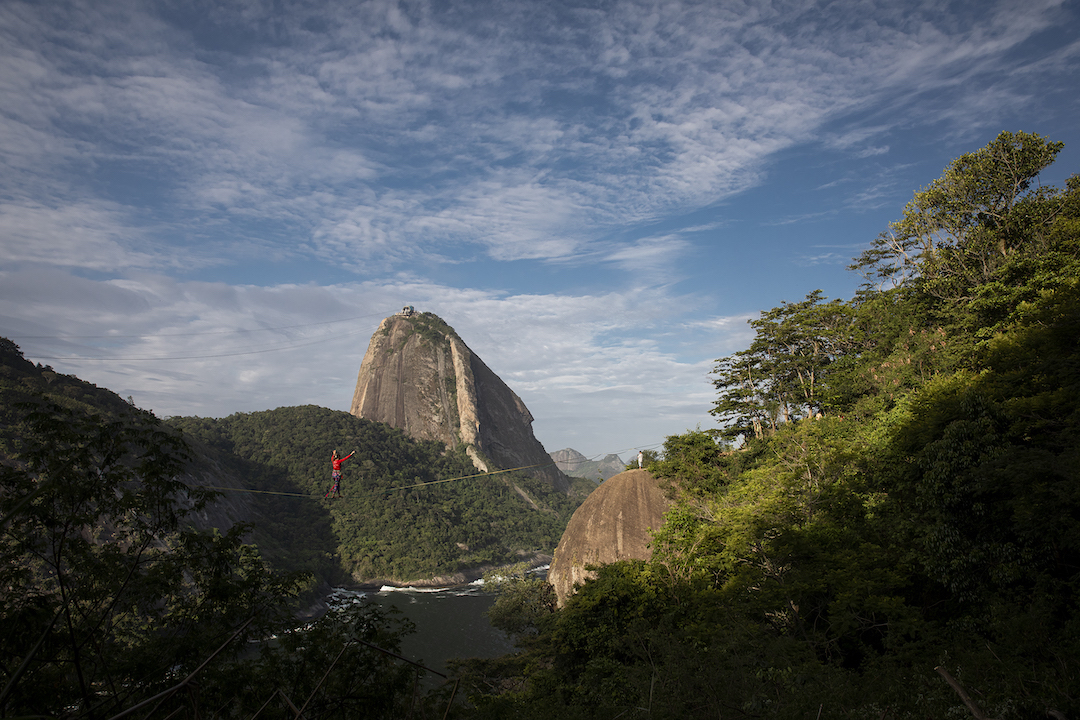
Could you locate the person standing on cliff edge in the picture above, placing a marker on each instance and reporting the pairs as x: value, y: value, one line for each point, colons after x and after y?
x: 335, y: 473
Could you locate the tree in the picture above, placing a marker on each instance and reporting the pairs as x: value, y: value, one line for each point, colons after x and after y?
x: 693, y: 461
x: 338, y: 667
x: 522, y: 600
x: 781, y: 376
x: 955, y: 232
x: 108, y: 595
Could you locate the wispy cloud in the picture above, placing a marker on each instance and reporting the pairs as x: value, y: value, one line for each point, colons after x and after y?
x: 496, y: 126
x: 143, y: 145
x: 649, y: 256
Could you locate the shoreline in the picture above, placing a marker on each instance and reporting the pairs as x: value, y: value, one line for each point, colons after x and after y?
x: 318, y: 607
x: 462, y: 577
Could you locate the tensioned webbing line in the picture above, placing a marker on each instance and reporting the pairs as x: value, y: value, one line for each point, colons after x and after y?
x: 390, y: 490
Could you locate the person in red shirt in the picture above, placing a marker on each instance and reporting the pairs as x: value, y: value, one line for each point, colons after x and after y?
x: 335, y: 474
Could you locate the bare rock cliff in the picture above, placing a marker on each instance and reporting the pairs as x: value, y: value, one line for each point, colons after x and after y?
x: 419, y: 376
x: 614, y: 523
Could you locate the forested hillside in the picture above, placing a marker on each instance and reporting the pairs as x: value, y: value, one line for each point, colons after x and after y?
x: 108, y: 593
x: 112, y: 597
x: 397, y: 519
x: 21, y: 380
x: 894, y: 488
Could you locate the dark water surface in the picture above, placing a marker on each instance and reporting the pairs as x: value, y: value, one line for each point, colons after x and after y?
x: 450, y: 623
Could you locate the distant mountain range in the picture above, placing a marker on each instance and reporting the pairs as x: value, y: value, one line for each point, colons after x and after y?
x: 574, y: 464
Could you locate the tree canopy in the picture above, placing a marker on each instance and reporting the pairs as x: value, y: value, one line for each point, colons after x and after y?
x: 397, y: 520
x: 894, y: 488
x: 109, y: 594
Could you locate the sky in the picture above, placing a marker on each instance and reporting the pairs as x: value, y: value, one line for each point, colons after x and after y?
x: 209, y: 207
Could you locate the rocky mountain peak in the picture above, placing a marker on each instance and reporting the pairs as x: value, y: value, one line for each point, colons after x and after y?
x: 419, y: 376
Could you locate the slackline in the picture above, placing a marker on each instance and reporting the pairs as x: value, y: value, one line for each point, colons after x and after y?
x: 394, y: 489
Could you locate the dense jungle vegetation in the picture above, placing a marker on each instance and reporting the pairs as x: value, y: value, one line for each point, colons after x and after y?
x: 389, y: 524
x: 894, y: 488
x: 111, y: 600
x: 110, y: 597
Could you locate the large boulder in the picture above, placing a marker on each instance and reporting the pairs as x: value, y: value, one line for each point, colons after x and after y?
x: 614, y: 523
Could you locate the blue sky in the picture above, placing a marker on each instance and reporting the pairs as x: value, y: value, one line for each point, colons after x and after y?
x: 210, y: 208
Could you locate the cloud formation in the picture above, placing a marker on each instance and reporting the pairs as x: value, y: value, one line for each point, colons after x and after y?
x: 565, y: 184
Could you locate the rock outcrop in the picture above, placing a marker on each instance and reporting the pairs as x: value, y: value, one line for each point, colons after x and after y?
x: 614, y: 523
x: 419, y: 376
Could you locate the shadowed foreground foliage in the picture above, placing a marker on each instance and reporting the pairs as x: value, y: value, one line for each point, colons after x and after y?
x: 111, y: 599
x: 895, y: 488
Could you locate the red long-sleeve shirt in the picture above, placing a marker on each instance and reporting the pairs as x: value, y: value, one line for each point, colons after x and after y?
x: 337, y: 461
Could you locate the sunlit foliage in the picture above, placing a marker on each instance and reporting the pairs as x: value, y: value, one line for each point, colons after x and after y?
x: 895, y: 487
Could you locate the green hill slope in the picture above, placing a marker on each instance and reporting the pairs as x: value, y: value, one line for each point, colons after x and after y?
x: 22, y: 380
x: 122, y: 573
x: 26, y: 387
x: 409, y: 511
x: 377, y: 531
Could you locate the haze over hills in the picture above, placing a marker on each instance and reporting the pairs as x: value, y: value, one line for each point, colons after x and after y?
x: 574, y: 464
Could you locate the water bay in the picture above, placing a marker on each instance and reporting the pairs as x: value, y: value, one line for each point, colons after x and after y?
x: 450, y: 623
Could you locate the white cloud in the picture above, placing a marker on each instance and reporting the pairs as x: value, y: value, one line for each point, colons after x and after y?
x: 95, y: 236
x: 201, y: 349
x: 213, y: 349
x: 395, y: 137
x: 550, y: 128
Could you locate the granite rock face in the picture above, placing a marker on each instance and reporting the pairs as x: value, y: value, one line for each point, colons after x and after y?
x: 420, y: 377
x: 614, y: 523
